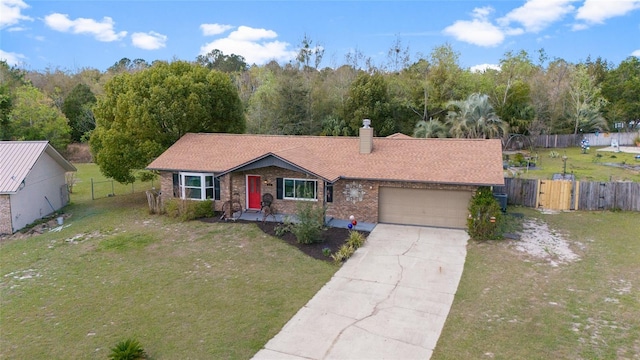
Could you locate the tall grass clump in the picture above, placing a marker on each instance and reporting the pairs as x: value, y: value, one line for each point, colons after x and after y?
x: 354, y: 241
x: 129, y: 349
x: 186, y: 210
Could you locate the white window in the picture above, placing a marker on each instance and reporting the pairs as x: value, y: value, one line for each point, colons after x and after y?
x: 300, y: 189
x: 199, y: 186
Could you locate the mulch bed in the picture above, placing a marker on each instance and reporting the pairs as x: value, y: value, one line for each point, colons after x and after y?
x: 332, y: 238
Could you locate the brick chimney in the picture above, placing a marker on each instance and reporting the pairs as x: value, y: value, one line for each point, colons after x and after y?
x: 366, y: 137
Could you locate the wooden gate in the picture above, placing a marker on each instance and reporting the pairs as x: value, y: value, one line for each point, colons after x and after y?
x: 557, y: 194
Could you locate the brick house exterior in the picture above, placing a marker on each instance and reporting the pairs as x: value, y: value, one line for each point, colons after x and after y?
x: 339, y: 208
x: 348, y: 173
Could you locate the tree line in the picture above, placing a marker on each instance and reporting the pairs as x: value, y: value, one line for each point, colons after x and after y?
x: 152, y: 104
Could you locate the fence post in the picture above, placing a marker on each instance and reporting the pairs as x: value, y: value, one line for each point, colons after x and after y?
x: 538, y: 195
x: 92, y: 197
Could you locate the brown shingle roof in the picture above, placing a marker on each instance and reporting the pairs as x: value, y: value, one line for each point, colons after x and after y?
x: 447, y: 161
x: 399, y: 136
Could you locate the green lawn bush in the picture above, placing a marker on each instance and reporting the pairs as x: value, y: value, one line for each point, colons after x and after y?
x: 343, y: 254
x: 310, y: 222
x: 355, y: 240
x: 186, y: 210
x: 485, y: 215
x: 129, y: 349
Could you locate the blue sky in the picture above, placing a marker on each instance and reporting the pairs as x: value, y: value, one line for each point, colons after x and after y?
x: 72, y: 35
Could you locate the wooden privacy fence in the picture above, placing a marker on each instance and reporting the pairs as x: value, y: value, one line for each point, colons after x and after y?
x: 601, y: 139
x: 558, y: 194
x: 519, y: 191
x: 609, y: 196
x: 571, y: 195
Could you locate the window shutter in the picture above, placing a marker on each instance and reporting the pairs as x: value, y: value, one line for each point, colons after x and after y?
x: 216, y: 188
x: 279, y: 188
x: 176, y: 185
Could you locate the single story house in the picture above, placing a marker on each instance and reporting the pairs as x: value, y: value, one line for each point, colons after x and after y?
x: 398, y: 179
x: 32, y: 183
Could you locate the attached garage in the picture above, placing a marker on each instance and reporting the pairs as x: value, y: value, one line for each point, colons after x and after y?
x: 440, y: 208
x: 399, y: 179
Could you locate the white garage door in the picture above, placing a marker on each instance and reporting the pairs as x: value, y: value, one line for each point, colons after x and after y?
x: 441, y: 208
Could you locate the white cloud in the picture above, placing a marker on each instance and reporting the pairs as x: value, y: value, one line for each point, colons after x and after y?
x: 214, y: 29
x: 536, y: 15
x: 16, y: 29
x: 513, y: 31
x: 255, y: 45
x: 101, y: 30
x: 482, y: 13
x: 543, y: 38
x: 578, y: 27
x: 597, y: 11
x: 11, y: 12
x: 11, y: 58
x: 479, y: 31
x: 149, y: 41
x: 245, y: 33
x: 636, y: 53
x: 483, y: 67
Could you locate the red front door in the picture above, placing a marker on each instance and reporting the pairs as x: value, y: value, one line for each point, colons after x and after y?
x: 254, y: 194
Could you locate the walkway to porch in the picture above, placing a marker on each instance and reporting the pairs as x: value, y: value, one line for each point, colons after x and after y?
x: 254, y: 215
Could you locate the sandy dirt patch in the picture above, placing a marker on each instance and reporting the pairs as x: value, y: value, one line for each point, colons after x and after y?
x: 539, y: 241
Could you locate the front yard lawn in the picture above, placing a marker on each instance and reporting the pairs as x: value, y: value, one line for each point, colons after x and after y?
x: 184, y: 290
x: 575, y: 295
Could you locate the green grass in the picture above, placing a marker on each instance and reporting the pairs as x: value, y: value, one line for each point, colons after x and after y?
x: 513, y: 306
x: 586, y: 167
x: 103, y: 187
x: 184, y: 290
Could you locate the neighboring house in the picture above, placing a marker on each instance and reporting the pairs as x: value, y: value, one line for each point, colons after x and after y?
x: 400, y: 179
x: 32, y: 183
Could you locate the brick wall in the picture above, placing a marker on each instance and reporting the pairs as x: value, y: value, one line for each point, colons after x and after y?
x: 225, y: 192
x: 166, y: 186
x: 235, y: 183
x: 367, y: 209
x: 5, y: 215
x: 268, y: 176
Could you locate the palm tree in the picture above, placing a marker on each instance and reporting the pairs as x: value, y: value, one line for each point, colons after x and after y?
x: 590, y: 119
x: 474, y: 118
x: 430, y: 129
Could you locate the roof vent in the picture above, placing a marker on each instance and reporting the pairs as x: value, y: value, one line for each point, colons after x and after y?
x: 366, y: 123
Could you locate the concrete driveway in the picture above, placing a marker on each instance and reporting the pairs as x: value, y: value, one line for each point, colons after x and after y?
x: 389, y: 301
